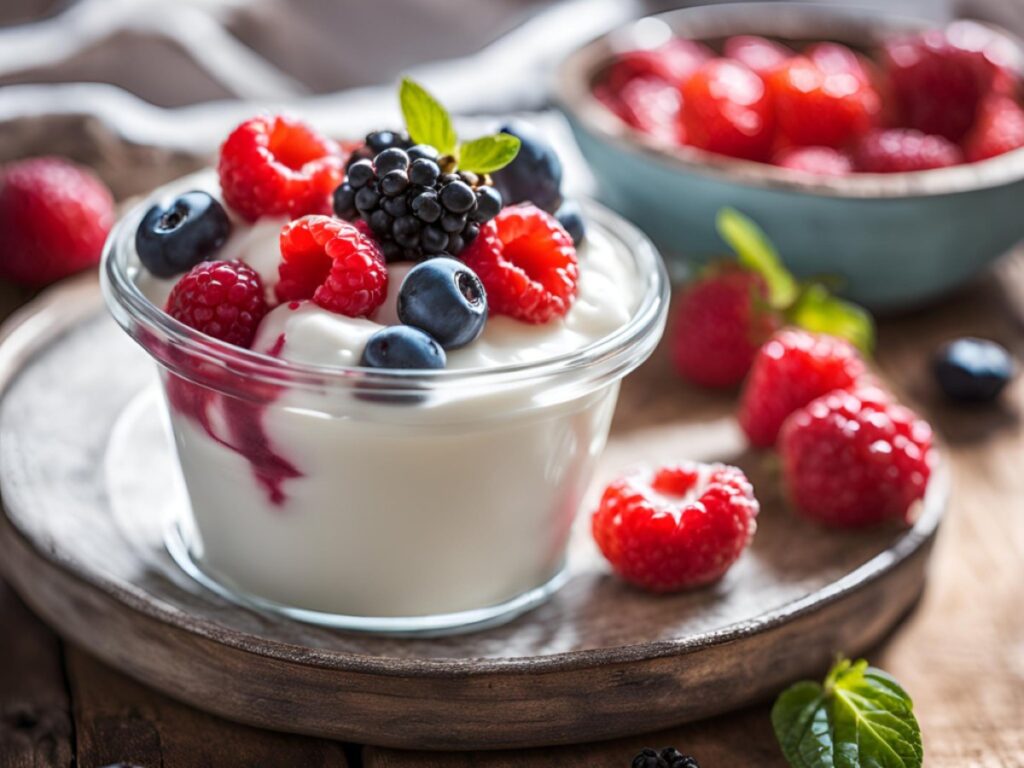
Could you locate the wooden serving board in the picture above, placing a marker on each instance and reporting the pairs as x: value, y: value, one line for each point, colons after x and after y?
x: 89, y: 481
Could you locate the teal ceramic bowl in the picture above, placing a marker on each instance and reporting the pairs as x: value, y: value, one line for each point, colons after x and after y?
x: 893, y: 241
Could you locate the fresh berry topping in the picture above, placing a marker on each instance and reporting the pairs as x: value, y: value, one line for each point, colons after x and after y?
x: 821, y: 161
x: 376, y: 142
x: 414, y: 209
x: 939, y: 77
x: 54, y: 216
x: 401, y: 346
x: 444, y: 298
x: 669, y: 757
x: 275, y: 166
x: 901, y: 150
x: 791, y: 369
x: 223, y: 299
x: 648, y: 104
x: 673, y: 63
x: 337, y: 264
x: 535, y: 175
x: 527, y: 264
x: 173, y: 237
x: 722, y: 319
x: 570, y: 217
x: 759, y: 53
x: 818, y: 107
x: 850, y: 460
x: 998, y: 129
x: 675, y: 527
x: 726, y: 109
x: 973, y: 370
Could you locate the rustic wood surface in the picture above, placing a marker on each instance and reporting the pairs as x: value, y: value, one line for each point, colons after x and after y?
x: 959, y: 653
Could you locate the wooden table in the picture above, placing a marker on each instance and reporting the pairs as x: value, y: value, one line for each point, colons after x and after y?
x: 960, y: 654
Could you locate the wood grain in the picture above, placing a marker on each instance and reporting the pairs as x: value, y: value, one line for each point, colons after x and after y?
x: 35, y: 725
x: 82, y: 539
x: 119, y: 721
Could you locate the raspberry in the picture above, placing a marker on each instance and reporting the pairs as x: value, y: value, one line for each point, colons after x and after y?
x: 54, y: 216
x: 527, y: 263
x: 649, y: 104
x: 901, y: 150
x: 791, y: 369
x: 815, y: 106
x: 938, y: 78
x: 675, y: 527
x: 672, y: 63
x: 726, y: 109
x: 852, y: 460
x: 823, y: 161
x: 837, y: 59
x: 333, y: 262
x: 223, y: 299
x: 273, y: 166
x: 759, y: 53
x: 999, y: 129
x: 723, y: 318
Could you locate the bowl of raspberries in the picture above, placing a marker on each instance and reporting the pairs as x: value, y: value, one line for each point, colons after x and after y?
x: 884, y: 152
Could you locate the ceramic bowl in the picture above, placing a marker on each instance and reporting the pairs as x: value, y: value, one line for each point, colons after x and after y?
x: 892, y: 240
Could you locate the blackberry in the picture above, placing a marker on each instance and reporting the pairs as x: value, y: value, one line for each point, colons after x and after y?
x: 669, y: 757
x: 377, y: 142
x: 415, y: 201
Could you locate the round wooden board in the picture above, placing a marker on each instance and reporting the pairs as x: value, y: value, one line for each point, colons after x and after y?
x: 89, y: 481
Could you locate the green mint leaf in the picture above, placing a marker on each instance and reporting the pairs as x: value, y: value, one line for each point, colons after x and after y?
x: 860, y: 718
x: 755, y: 251
x: 488, y: 154
x: 425, y: 119
x: 818, y: 310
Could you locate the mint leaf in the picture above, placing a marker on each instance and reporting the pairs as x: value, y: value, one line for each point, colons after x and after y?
x: 488, y: 154
x: 859, y: 718
x: 818, y: 310
x: 425, y: 119
x: 755, y: 251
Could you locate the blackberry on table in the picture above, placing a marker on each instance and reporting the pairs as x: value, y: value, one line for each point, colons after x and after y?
x: 415, y: 202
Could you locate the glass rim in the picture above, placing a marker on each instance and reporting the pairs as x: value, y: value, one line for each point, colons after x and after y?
x: 147, y: 324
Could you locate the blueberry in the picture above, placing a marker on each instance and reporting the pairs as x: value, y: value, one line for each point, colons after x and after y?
x: 391, y: 160
x: 423, y: 152
x: 446, y: 299
x: 433, y: 239
x: 173, y: 238
x: 360, y: 173
x: 973, y: 370
x: 426, y: 206
x: 345, y: 201
x: 401, y: 346
x: 457, y: 197
x: 488, y: 204
x: 571, y: 218
x: 367, y: 199
x: 424, y: 172
x: 394, y: 183
x: 534, y: 175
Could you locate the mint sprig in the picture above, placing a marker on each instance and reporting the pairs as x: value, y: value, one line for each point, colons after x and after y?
x: 859, y: 717
x: 809, y: 304
x: 428, y: 122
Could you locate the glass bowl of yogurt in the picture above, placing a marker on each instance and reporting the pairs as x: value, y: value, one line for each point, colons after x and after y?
x: 384, y: 500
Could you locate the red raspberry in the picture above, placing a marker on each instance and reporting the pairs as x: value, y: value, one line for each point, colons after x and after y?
x: 837, y: 59
x: 850, y: 459
x: 223, y: 299
x: 54, y: 217
x: 722, y: 319
x: 333, y: 262
x: 815, y: 106
x: 676, y: 527
x: 791, y: 369
x: 901, y: 150
x: 274, y: 166
x: 527, y: 263
x: 671, y: 63
x: 649, y: 104
x: 823, y: 161
x: 726, y: 109
x: 759, y: 53
x: 999, y: 129
x: 938, y: 78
